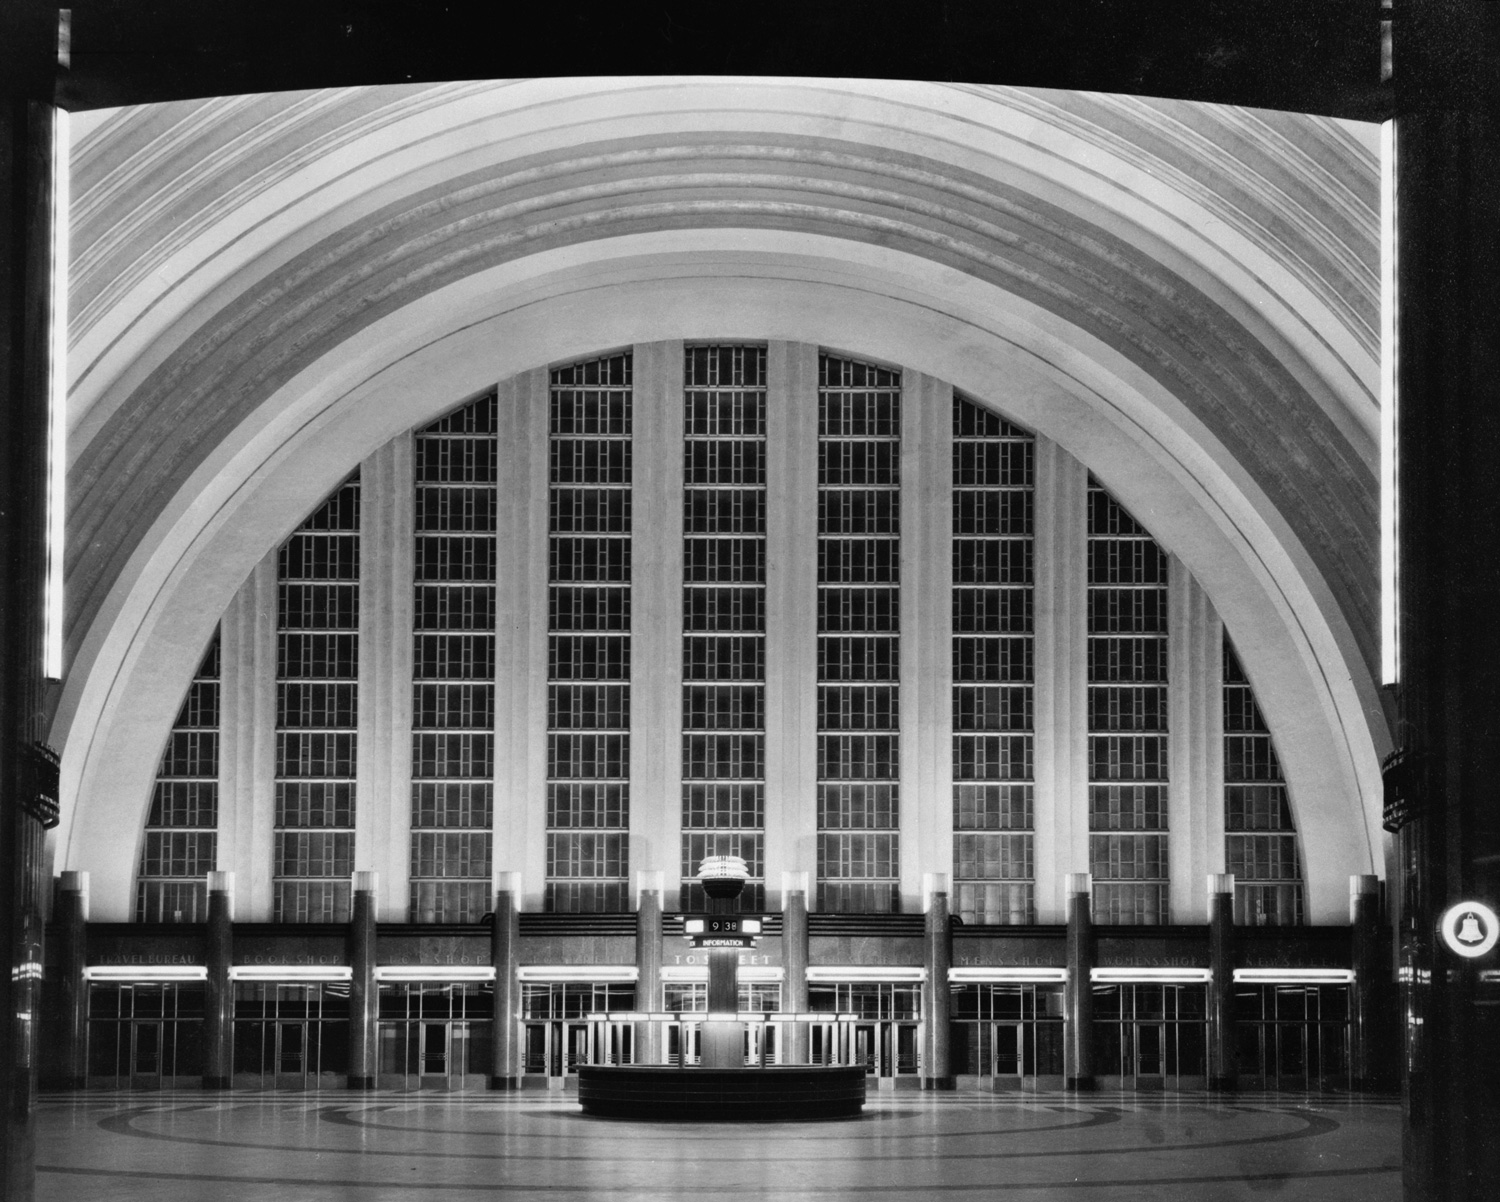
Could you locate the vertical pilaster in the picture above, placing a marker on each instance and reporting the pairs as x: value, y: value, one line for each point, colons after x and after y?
x: 247, y: 738
x: 794, y: 951
x: 521, y: 633
x: 791, y: 599
x: 218, y: 997
x: 382, y: 792
x: 1078, y: 1000
x: 1195, y: 742
x: 1368, y: 959
x: 1061, y: 719
x: 364, y: 995
x: 1223, y: 1071
x: 926, y: 634
x: 71, y: 924
x: 937, y: 1005
x: 505, y: 1073
x: 656, y: 612
x: 648, y: 908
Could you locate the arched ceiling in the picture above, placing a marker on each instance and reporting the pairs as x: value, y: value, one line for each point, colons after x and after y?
x: 1219, y: 262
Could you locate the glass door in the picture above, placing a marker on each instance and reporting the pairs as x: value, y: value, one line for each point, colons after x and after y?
x: 1150, y: 1053
x: 1005, y: 1039
x: 145, y: 1055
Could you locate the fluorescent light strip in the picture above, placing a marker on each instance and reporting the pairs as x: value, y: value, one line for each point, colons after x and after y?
x: 577, y: 972
x: 697, y: 1016
x: 57, y: 402
x: 145, y: 972
x: 962, y: 976
x: 1390, y: 545
x: 851, y: 975
x: 699, y: 972
x: 1293, y: 976
x: 290, y: 972
x: 1148, y: 976
x: 435, y: 972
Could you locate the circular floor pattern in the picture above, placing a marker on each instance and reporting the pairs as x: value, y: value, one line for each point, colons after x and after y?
x: 187, y: 1147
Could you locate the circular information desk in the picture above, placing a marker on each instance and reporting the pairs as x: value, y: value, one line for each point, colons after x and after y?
x: 630, y: 1091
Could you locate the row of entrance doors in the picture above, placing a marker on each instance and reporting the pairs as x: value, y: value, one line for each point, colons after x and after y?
x: 555, y: 1049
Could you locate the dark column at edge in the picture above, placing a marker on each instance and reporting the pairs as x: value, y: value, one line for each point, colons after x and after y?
x: 936, y: 995
x: 1368, y: 957
x: 218, y: 996
x: 70, y: 922
x: 364, y: 997
x: 1078, y: 1019
x: 1223, y: 1068
x: 26, y: 137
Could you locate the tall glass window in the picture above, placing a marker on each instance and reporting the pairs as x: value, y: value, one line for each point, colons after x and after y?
x: 993, y: 481
x: 859, y: 527
x: 588, y: 644
x: 182, y: 827
x: 1127, y: 716
x: 317, y: 669
x: 453, y: 667
x: 1260, y: 839
x: 724, y: 616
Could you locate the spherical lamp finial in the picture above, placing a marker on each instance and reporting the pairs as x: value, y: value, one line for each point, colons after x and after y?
x: 723, y: 877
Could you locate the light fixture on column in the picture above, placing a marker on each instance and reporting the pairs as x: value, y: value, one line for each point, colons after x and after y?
x: 723, y: 877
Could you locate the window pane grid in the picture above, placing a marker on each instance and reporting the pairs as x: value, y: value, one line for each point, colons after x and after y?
x: 588, y: 644
x: 453, y: 666
x: 993, y: 666
x: 1128, y: 740
x: 723, y: 646
x: 317, y: 698
x: 858, y: 645
x: 1260, y: 836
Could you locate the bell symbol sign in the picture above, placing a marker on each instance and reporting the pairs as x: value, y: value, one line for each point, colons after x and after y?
x: 1470, y: 929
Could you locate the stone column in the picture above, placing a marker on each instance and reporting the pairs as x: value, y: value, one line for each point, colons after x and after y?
x: 1369, y: 958
x: 648, y: 907
x: 723, y: 1037
x: 656, y: 612
x: 364, y: 996
x: 1078, y: 1017
x: 71, y: 924
x: 936, y: 994
x: 247, y: 739
x: 1223, y: 1071
x: 521, y: 633
x: 507, y: 1069
x: 791, y: 596
x: 1061, y: 810
x: 1195, y: 742
x: 387, y: 551
x: 794, y: 962
x: 218, y: 998
x: 926, y: 636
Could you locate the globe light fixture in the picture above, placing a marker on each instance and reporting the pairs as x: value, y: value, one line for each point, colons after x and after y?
x: 723, y: 877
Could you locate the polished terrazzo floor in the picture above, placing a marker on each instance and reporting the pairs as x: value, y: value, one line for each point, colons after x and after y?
x: 192, y: 1147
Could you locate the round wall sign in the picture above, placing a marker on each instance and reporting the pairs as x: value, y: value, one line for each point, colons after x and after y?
x: 1470, y: 929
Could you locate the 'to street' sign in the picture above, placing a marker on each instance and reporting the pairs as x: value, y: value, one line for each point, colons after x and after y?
x: 1470, y: 929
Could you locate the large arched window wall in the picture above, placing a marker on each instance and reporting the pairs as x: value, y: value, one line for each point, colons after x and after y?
x: 848, y: 822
